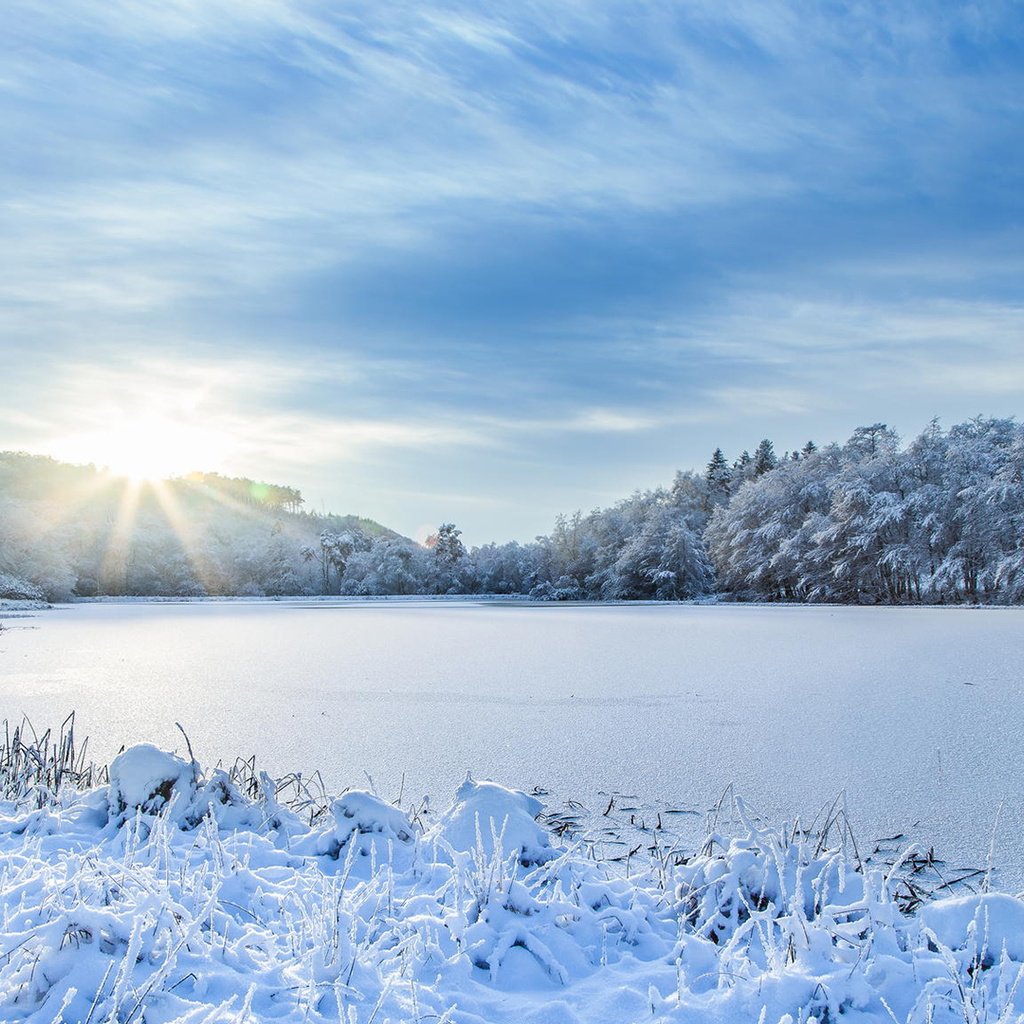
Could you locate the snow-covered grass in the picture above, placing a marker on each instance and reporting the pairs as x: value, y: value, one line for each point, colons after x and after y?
x: 170, y: 894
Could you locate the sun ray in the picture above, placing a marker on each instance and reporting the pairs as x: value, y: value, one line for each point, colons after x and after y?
x: 114, y: 564
x: 186, y: 532
x: 63, y: 508
x: 222, y: 499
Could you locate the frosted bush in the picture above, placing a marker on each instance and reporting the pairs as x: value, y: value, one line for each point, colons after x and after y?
x: 14, y: 588
x: 364, y: 825
x: 146, y: 778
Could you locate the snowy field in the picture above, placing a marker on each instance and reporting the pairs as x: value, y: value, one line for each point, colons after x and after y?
x: 917, y: 713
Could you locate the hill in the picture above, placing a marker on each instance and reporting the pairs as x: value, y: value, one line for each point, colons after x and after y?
x: 69, y: 531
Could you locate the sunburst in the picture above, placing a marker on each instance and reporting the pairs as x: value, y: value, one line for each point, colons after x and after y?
x: 146, y: 447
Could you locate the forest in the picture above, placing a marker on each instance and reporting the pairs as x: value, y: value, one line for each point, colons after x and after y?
x: 938, y: 520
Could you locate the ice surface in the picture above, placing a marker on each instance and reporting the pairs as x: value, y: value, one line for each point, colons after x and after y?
x: 916, y: 712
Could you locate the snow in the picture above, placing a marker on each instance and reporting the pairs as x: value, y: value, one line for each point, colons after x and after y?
x: 915, y: 712
x: 496, y: 821
x: 986, y: 924
x: 147, y: 778
x: 365, y: 825
x: 371, y: 914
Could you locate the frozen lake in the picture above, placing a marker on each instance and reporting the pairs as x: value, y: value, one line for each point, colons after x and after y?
x: 917, y: 713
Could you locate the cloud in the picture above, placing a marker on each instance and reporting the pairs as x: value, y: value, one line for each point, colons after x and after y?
x: 521, y: 248
x: 381, y: 127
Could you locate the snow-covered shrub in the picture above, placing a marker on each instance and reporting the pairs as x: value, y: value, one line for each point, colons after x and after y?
x: 767, y: 874
x: 491, y: 819
x: 364, y: 825
x: 14, y: 588
x: 147, y: 779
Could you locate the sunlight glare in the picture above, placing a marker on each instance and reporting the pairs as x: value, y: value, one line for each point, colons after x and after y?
x: 148, y: 447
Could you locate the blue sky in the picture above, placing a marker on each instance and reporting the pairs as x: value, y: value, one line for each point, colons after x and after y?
x: 487, y: 262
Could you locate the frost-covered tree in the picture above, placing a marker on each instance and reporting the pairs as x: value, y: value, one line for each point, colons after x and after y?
x: 718, y: 477
x: 448, y: 553
x: 764, y: 457
x: 332, y: 552
x: 758, y: 543
x: 941, y: 519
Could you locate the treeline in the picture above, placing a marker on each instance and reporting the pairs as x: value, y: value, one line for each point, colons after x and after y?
x: 940, y: 520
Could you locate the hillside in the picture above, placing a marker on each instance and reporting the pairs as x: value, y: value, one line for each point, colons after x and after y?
x: 69, y: 531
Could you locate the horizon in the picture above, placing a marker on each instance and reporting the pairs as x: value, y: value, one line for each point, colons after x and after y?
x: 430, y: 263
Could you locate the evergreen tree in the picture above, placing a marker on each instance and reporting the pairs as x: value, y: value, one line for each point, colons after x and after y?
x: 764, y: 458
x: 718, y: 477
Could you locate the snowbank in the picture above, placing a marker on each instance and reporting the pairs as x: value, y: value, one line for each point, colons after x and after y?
x: 177, y: 897
x: 986, y: 925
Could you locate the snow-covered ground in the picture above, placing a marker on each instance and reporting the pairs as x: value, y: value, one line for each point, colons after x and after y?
x: 917, y: 713
x: 170, y: 896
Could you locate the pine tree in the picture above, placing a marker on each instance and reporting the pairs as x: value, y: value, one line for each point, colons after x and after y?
x: 764, y: 458
x: 718, y: 477
x: 808, y: 449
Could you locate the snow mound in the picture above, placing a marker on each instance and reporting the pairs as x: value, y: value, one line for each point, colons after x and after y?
x: 146, y: 778
x: 359, y: 811
x: 490, y: 819
x: 367, y: 826
x: 981, y: 924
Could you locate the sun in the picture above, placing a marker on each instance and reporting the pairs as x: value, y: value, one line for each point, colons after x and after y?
x: 147, y: 447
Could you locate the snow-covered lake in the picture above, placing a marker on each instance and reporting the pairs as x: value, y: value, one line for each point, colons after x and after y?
x: 917, y: 713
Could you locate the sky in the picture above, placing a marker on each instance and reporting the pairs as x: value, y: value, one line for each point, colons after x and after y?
x: 487, y: 262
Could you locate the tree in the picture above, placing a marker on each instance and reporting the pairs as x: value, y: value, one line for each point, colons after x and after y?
x: 448, y: 553
x: 867, y: 442
x: 718, y: 477
x: 333, y: 552
x: 764, y: 458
